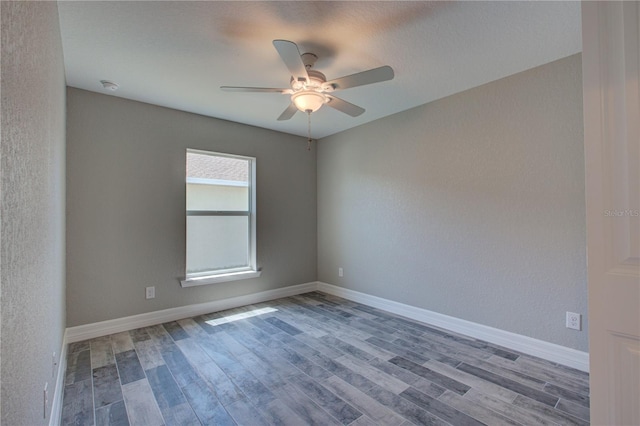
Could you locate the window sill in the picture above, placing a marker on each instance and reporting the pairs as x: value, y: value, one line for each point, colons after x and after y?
x: 220, y: 278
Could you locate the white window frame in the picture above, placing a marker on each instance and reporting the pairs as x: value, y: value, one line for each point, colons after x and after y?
x: 234, y: 274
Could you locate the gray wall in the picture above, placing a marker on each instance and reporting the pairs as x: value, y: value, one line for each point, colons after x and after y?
x: 32, y: 207
x: 126, y: 202
x: 471, y: 206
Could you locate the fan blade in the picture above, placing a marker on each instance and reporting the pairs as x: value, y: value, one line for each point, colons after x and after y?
x: 344, y: 106
x: 290, y: 55
x: 375, y: 75
x: 288, y: 113
x: 253, y: 89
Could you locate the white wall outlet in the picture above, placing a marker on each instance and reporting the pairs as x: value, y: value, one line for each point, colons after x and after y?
x: 340, y: 272
x: 150, y: 292
x: 574, y: 321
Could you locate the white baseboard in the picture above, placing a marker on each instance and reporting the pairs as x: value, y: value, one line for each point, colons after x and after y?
x: 55, y: 415
x: 104, y: 328
x: 528, y: 345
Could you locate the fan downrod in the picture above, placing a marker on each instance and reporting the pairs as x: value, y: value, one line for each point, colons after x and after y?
x: 309, y: 60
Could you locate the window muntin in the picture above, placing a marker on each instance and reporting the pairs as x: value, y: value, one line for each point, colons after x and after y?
x: 220, y: 209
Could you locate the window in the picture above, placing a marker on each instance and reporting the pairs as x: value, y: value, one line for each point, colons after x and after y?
x: 221, y: 218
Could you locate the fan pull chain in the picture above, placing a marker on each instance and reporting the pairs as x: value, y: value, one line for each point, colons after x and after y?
x: 309, y: 131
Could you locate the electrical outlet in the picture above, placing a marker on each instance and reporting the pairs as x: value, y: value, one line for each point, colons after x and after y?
x: 150, y: 292
x: 574, y: 321
x: 340, y: 272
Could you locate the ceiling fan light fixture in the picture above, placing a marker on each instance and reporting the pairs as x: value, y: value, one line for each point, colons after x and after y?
x: 308, y: 100
x: 310, y: 88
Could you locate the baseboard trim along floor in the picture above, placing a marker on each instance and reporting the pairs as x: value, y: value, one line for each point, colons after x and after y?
x: 528, y: 345
x: 104, y: 328
x: 539, y: 348
x: 56, y: 403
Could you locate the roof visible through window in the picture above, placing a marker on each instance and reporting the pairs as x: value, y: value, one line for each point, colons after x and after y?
x: 205, y: 166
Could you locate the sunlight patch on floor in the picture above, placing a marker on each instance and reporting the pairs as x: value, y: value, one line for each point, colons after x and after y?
x: 243, y: 315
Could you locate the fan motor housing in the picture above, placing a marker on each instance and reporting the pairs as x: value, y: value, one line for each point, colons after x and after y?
x: 316, y: 77
x: 316, y: 82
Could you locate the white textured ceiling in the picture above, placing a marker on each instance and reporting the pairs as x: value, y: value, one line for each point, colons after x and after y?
x: 177, y: 54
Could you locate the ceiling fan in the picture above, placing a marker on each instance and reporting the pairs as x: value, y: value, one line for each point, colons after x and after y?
x: 310, y: 88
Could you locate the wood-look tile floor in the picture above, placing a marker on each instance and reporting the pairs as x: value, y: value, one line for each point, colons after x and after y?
x: 312, y: 359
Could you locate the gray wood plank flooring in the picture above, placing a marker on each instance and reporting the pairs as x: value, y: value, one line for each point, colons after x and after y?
x: 312, y: 359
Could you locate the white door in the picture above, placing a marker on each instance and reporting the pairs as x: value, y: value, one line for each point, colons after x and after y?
x: 611, y: 67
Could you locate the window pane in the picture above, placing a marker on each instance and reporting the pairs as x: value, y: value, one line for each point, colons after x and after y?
x: 220, y: 209
x: 217, y: 183
x: 217, y: 197
x: 217, y: 242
